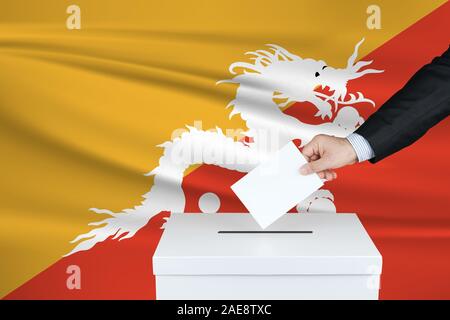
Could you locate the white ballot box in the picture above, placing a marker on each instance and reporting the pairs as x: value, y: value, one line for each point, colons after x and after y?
x: 300, y: 256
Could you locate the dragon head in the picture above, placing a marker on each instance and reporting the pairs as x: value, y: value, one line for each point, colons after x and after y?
x: 297, y: 80
x: 336, y: 79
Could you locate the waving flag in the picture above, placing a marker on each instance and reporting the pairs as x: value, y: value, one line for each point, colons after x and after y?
x: 89, y: 91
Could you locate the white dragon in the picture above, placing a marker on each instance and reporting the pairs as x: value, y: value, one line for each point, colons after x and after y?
x: 274, y: 75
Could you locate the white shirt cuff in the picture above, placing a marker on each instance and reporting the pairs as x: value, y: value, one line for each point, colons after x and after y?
x: 362, y: 147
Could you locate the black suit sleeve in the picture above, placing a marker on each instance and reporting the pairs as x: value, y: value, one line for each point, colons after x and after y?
x: 408, y: 114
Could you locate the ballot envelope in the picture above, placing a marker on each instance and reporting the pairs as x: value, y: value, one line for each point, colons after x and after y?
x: 300, y: 256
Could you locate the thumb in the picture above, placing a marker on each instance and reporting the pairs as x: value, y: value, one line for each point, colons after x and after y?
x: 314, y: 166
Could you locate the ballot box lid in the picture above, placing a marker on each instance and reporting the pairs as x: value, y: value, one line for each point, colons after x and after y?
x: 233, y: 243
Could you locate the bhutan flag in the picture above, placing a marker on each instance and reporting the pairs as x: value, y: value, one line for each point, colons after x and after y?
x: 88, y: 92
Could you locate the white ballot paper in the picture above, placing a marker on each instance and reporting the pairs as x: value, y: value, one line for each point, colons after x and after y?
x: 276, y: 185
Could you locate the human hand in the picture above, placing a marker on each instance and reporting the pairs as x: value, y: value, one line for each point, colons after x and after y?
x: 325, y: 153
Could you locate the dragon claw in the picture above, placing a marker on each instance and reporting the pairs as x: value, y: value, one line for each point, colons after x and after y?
x: 324, y: 113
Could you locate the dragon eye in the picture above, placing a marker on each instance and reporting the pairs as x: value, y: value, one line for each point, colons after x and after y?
x: 324, y: 67
x: 317, y: 74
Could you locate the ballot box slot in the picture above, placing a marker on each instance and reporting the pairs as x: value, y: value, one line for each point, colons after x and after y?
x: 264, y: 231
